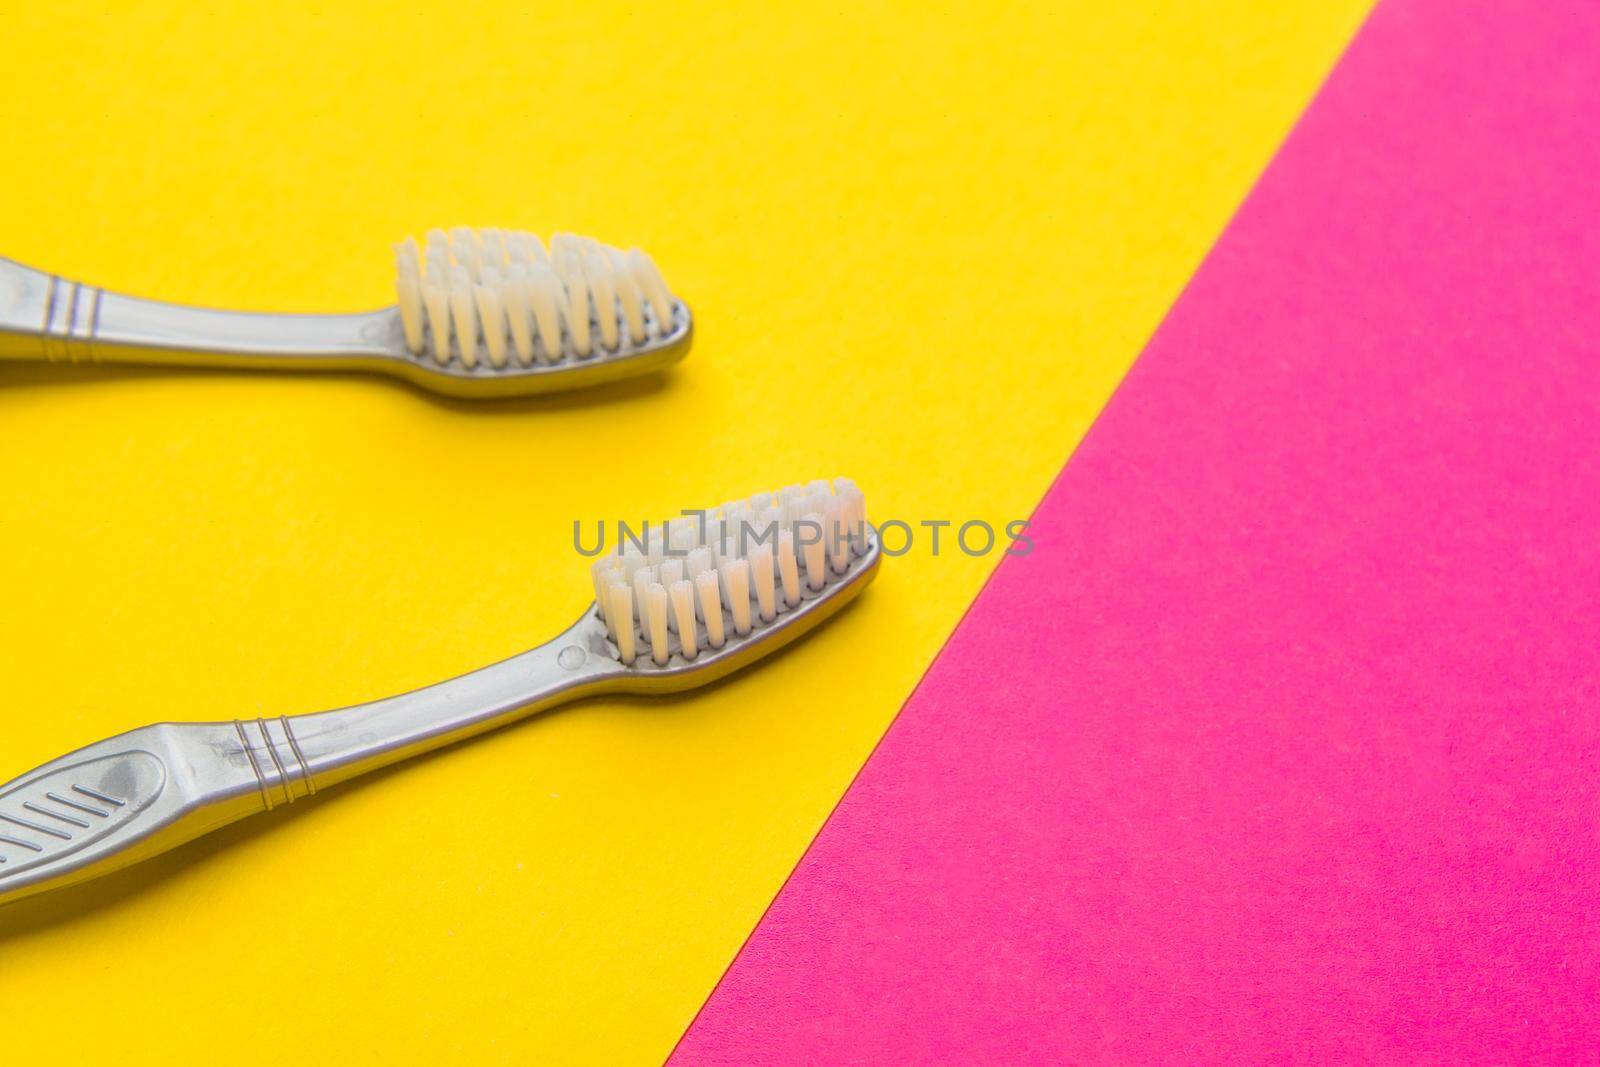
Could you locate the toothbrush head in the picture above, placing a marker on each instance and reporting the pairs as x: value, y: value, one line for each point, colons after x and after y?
x: 493, y: 312
x: 700, y: 596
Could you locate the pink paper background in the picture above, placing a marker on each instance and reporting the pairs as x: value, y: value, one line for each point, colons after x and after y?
x: 1283, y: 745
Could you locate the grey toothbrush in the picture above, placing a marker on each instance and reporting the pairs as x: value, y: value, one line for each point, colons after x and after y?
x: 483, y: 313
x: 694, y: 601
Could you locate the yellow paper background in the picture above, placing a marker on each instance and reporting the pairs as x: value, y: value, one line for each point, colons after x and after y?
x: 922, y: 248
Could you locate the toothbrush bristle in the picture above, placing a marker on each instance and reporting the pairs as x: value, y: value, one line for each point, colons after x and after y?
x: 471, y: 296
x: 690, y: 585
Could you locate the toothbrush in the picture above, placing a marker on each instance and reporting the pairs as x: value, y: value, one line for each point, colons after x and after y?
x: 696, y: 599
x: 480, y: 313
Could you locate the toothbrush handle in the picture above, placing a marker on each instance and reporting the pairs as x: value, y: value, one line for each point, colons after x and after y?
x: 53, y: 319
x: 310, y: 752
x: 130, y: 797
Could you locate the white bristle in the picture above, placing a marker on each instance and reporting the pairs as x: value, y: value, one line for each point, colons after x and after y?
x: 438, y: 253
x: 736, y: 580
x: 464, y: 315
x: 568, y: 262
x: 408, y: 286
x: 436, y: 301
x: 604, y: 291
x: 656, y: 616
x: 683, y: 534
x: 771, y: 522
x: 710, y: 606
x: 523, y: 247
x: 409, y: 292
x: 794, y: 509
x: 855, y: 512
x: 521, y: 304
x: 719, y: 539
x: 494, y: 248
x: 669, y: 574
x: 733, y: 532
x: 601, y: 572
x: 655, y: 291
x: 836, y: 537
x: 630, y: 299
x: 492, y: 318
x: 464, y: 247
x: 621, y: 610
x: 698, y: 563
x: 788, y: 569
x: 632, y: 560
x: 641, y: 582
x: 762, y: 575
x: 519, y: 312
x: 547, y: 299
x: 812, y: 550
x: 682, y: 593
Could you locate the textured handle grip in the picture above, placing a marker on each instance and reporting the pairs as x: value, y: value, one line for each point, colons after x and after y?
x: 276, y: 760
x: 123, y: 799
x: 74, y: 805
x: 46, y: 317
x: 71, y: 320
x: 143, y: 792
